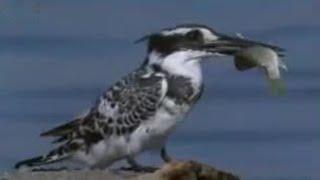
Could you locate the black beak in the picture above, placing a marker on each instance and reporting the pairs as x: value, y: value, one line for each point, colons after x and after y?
x: 228, y: 45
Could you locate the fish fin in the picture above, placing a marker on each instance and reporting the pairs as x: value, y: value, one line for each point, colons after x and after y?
x: 277, y: 87
x: 283, y: 65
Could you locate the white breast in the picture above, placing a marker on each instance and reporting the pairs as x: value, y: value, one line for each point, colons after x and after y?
x: 153, y: 133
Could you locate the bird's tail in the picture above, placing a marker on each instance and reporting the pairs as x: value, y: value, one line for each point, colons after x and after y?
x: 58, y: 154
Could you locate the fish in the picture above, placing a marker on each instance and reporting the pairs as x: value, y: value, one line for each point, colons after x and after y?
x: 266, y: 59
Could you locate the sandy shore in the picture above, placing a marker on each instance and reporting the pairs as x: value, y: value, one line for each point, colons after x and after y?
x: 174, y: 171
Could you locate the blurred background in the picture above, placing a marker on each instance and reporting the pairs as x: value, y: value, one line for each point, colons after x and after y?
x: 57, y: 56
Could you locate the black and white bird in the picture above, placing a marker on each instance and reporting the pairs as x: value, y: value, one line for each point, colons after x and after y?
x: 140, y: 111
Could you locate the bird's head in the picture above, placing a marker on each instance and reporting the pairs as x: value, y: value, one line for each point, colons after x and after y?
x: 194, y: 42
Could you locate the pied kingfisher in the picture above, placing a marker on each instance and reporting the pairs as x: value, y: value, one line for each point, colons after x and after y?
x: 140, y: 111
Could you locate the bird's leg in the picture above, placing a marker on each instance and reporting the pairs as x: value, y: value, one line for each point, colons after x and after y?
x: 134, y: 166
x: 164, y: 155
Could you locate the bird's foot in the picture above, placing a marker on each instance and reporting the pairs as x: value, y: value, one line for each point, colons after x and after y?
x: 148, y: 169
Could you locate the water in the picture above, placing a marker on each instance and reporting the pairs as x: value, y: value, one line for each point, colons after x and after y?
x: 238, y: 125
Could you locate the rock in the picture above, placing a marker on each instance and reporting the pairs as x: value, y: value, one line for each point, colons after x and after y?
x: 189, y: 170
x: 192, y: 170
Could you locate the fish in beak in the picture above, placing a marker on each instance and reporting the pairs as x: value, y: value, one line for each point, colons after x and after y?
x: 269, y: 61
x: 249, y: 54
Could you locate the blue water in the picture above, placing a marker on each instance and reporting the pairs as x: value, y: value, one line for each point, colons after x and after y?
x: 237, y: 126
x: 53, y: 68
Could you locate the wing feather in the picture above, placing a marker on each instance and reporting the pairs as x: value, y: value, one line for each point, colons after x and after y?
x: 63, y: 129
x: 120, y: 110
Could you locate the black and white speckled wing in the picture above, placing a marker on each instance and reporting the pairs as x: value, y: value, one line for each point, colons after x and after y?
x: 119, y: 111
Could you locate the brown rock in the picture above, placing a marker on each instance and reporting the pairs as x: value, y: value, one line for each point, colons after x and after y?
x: 189, y: 170
x: 192, y: 170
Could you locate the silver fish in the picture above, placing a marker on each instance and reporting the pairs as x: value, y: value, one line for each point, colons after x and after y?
x: 266, y: 59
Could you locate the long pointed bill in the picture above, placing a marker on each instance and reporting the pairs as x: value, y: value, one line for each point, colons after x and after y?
x: 234, y: 46
x: 229, y: 45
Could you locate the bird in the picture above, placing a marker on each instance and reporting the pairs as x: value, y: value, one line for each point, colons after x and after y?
x: 139, y: 112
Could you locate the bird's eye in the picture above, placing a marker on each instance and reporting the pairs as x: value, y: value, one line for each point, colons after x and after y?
x: 194, y: 35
